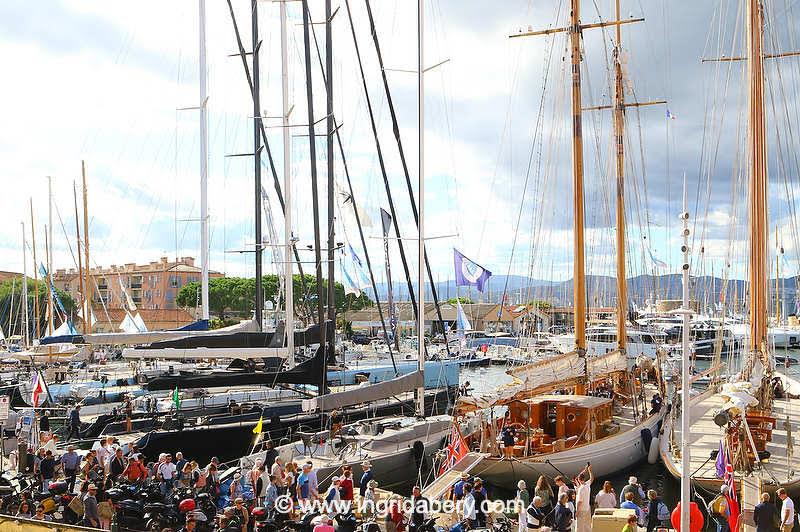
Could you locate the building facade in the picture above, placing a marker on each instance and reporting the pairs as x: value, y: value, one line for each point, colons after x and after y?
x: 152, y: 286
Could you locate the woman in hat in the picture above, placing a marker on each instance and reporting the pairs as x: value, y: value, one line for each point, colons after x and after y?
x: 368, y: 500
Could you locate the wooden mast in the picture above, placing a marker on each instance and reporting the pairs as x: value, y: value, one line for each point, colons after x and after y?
x: 80, y: 260
x: 579, y: 274
x: 87, y: 298
x: 619, y: 140
x: 35, y: 276
x: 756, y: 140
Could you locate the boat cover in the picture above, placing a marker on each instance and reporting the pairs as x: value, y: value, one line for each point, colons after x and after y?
x: 146, y: 337
x: 365, y: 394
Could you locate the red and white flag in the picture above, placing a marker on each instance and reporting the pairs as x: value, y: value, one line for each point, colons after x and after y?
x: 38, y: 389
x: 456, y: 449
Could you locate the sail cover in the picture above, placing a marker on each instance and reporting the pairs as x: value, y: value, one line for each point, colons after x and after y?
x: 138, y: 338
x: 365, y: 394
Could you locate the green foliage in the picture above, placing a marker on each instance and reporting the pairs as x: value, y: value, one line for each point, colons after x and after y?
x: 12, y: 309
x: 464, y: 300
x: 236, y: 295
x: 540, y: 304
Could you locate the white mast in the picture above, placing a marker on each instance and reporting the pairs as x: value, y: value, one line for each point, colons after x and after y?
x: 421, y: 186
x: 287, y: 189
x: 49, y: 250
x: 25, y: 332
x: 686, y: 453
x: 203, y: 162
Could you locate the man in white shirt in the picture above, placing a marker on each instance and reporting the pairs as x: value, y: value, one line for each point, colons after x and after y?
x: 787, y: 511
x: 166, y: 473
x: 470, y: 510
x: 583, y: 508
x: 104, y: 453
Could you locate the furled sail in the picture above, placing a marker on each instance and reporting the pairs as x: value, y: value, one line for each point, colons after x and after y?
x: 365, y: 394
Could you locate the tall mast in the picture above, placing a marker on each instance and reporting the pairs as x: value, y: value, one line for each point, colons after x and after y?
x: 80, y: 259
x: 87, y: 298
x: 26, y: 324
x: 35, y: 277
x: 287, y: 187
x: 49, y: 253
x: 204, y: 162
x: 619, y: 136
x: 686, y: 450
x: 259, y: 302
x: 331, y: 187
x: 421, y: 186
x: 579, y: 278
x: 756, y: 139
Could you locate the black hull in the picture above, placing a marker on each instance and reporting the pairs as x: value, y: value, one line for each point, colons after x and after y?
x: 228, y: 441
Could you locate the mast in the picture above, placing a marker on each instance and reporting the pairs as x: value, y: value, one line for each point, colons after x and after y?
x: 619, y: 140
x: 204, y: 249
x: 287, y: 188
x: 35, y: 277
x: 421, y: 186
x: 87, y: 298
x: 331, y: 186
x: 80, y: 260
x: 686, y: 451
x: 756, y: 139
x: 49, y: 254
x: 314, y: 192
x: 259, y: 302
x: 579, y: 278
x: 26, y: 325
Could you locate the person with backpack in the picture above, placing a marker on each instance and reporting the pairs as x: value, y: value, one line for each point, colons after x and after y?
x: 657, y: 511
x: 562, y: 515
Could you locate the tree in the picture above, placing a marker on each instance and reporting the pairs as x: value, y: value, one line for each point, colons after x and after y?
x: 464, y: 300
x: 236, y: 295
x: 540, y: 304
x: 12, y: 310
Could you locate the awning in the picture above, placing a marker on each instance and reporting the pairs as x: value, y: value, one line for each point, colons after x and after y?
x: 365, y: 394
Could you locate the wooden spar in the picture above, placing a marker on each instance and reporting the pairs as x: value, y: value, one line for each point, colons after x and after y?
x: 80, y: 259
x: 87, y: 297
x: 35, y: 276
x: 758, y: 181
x: 579, y: 273
x: 777, y: 278
x: 619, y: 140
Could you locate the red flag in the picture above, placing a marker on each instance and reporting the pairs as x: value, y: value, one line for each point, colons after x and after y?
x: 730, y: 496
x: 456, y: 449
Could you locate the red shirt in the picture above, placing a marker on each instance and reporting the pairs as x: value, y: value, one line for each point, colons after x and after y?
x: 135, y: 471
x: 346, y: 489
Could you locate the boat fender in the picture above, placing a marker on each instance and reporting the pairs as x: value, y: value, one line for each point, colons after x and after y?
x: 418, y: 451
x: 652, y: 453
x: 647, y: 438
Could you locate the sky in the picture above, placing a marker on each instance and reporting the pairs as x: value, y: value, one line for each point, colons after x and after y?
x: 105, y: 83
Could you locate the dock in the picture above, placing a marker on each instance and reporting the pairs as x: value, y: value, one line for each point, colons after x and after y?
x: 439, y: 487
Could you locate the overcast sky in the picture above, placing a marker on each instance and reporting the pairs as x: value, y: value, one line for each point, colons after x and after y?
x: 102, y: 82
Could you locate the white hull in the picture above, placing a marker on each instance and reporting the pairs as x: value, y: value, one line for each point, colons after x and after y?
x: 565, y: 343
x: 608, y: 456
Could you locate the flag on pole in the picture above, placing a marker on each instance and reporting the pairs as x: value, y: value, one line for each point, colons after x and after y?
x: 259, y: 426
x: 176, y: 399
x: 38, y: 389
x: 456, y: 449
x: 730, y: 495
x: 462, y: 322
x: 720, y: 463
x: 670, y: 116
x: 386, y: 222
x: 468, y: 272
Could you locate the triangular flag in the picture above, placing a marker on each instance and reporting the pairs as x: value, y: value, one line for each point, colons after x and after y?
x: 259, y: 425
